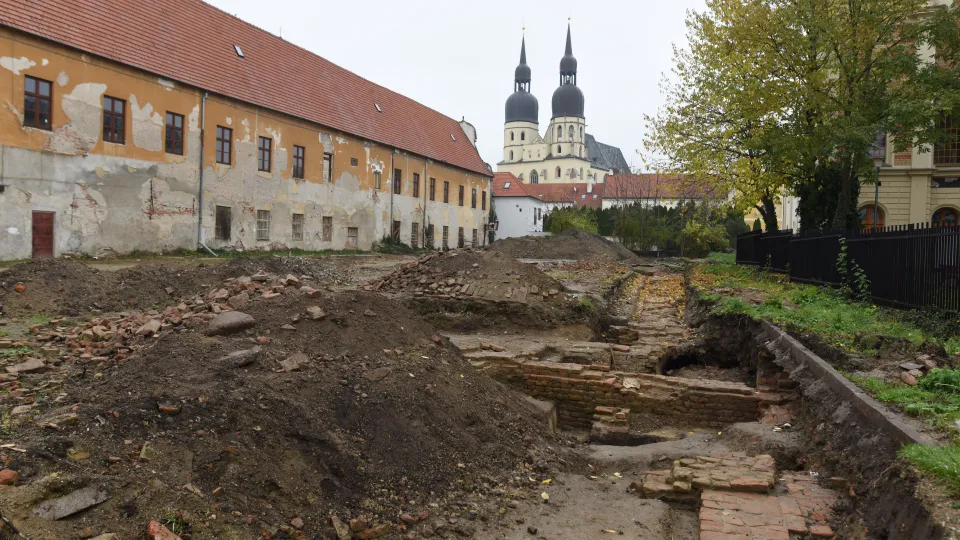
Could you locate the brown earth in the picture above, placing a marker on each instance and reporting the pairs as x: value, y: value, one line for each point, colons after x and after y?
x: 570, y: 244
x: 378, y: 417
x: 72, y: 288
x: 468, y: 273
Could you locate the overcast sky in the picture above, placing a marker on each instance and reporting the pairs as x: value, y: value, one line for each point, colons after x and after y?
x: 458, y: 57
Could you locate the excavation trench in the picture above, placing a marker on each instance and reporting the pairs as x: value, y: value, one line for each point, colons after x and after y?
x: 706, y: 415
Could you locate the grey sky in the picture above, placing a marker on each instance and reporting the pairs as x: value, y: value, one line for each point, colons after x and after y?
x: 458, y: 57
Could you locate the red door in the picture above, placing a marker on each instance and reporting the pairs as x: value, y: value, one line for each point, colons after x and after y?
x: 42, y: 234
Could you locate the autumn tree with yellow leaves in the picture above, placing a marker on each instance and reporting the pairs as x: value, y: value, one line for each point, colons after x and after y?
x: 774, y: 95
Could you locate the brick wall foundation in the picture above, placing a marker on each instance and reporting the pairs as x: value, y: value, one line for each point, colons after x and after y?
x: 578, y: 390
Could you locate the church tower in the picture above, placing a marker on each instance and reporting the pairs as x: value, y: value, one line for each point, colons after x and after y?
x: 522, y: 119
x: 566, y: 136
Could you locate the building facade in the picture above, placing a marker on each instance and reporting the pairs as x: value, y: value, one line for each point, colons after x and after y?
x: 166, y: 137
x: 566, y: 153
x: 520, y: 207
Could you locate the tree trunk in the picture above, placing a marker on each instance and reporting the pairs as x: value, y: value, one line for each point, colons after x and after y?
x: 845, y: 218
x: 768, y: 212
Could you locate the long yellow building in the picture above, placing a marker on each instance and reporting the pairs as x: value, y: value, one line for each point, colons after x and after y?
x: 193, y: 127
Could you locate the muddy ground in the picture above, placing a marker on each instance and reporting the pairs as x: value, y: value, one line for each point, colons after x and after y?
x: 343, y: 411
x: 570, y: 244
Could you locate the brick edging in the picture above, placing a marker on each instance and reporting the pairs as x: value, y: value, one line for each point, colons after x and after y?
x: 869, y: 408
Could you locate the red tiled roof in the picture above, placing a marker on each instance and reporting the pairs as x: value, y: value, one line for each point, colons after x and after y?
x: 652, y: 185
x: 192, y: 42
x: 572, y: 193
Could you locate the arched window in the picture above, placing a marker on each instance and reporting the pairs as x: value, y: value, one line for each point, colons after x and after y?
x: 870, y: 219
x: 558, y: 149
x: 581, y: 172
x: 511, y: 135
x: 581, y: 133
x: 511, y: 155
x: 559, y: 133
x: 523, y: 135
x: 572, y: 133
x: 558, y: 172
x: 944, y: 217
x: 534, y: 179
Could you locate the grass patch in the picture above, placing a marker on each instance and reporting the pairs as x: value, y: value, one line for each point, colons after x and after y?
x: 38, y: 318
x: 935, y: 406
x: 940, y: 462
x: 822, y: 311
x: 15, y: 352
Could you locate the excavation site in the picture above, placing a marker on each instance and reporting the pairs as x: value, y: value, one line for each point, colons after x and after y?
x: 457, y: 394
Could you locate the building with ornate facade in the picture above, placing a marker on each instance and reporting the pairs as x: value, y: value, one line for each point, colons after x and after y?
x: 565, y: 153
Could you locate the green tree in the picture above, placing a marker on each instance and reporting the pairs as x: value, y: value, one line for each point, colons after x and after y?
x: 792, y: 94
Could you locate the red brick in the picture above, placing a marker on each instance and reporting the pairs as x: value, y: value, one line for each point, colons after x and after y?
x: 821, y: 531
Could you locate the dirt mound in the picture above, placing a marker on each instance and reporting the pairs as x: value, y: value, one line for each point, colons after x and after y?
x: 360, y: 411
x: 570, y: 244
x: 72, y: 288
x: 473, y: 274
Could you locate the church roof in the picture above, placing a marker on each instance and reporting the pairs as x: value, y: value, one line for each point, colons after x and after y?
x: 606, y: 157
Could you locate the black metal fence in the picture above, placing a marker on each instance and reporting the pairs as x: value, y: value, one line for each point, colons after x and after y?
x: 908, y: 266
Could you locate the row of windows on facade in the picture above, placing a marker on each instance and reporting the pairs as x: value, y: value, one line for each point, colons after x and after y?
x: 874, y: 217
x: 38, y: 96
x: 224, y: 222
x: 535, y: 177
x: 429, y: 240
x: 523, y: 134
x: 432, y: 191
x: 559, y: 151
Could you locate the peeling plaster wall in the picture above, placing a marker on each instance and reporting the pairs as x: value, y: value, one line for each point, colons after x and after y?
x: 135, y: 196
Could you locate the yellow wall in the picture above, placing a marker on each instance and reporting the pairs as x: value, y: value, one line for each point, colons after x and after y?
x: 131, y: 196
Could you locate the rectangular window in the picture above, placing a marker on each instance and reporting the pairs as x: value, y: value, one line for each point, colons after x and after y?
x: 416, y: 186
x: 433, y: 189
x: 460, y: 196
x: 37, y: 103
x: 299, y: 156
x: 446, y: 235
x: 483, y: 200
x: 113, y: 120
x: 948, y: 153
x: 460, y: 238
x: 327, y: 229
x: 263, y: 225
x: 396, y: 230
x: 327, y: 167
x: 473, y: 198
x: 377, y: 180
x: 474, y: 238
x: 430, y: 236
x: 446, y: 192
x: 173, y: 142
x: 297, y: 223
x: 415, y: 235
x: 397, y: 176
x: 224, y: 145
x: 354, y: 162
x: 264, y: 153
x: 222, y: 225
x: 353, y: 237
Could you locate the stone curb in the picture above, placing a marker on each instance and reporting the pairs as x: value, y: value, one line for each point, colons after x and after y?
x: 874, y: 412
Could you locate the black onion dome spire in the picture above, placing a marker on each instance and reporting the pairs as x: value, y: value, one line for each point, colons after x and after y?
x: 568, y: 98
x: 522, y: 106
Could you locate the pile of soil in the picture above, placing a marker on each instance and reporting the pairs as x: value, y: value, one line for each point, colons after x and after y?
x: 362, y: 412
x: 70, y: 288
x: 483, y: 275
x: 570, y: 244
